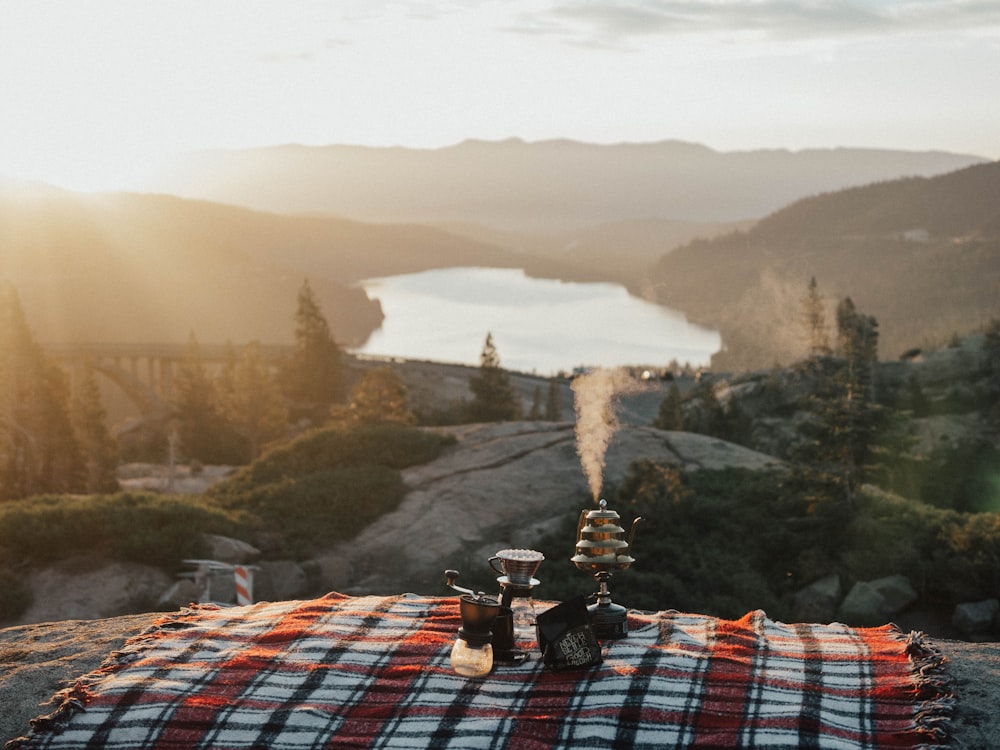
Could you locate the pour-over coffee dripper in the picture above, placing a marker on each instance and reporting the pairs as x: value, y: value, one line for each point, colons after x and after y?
x: 518, y: 566
x: 517, y: 569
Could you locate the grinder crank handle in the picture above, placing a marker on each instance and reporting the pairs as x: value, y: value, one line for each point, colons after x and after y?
x: 450, y: 576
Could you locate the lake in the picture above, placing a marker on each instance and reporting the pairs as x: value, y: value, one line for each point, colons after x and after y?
x: 542, y: 326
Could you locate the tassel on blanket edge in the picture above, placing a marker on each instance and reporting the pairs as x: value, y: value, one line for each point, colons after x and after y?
x: 933, y: 689
x: 140, y: 642
x: 72, y: 701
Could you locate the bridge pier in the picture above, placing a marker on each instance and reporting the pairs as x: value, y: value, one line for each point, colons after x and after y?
x: 144, y: 372
x: 165, y: 385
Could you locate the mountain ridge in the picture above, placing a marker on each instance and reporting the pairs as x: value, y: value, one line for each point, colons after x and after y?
x: 144, y: 267
x: 920, y: 254
x: 544, y: 185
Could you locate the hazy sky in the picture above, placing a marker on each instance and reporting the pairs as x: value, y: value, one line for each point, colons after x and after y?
x: 94, y: 91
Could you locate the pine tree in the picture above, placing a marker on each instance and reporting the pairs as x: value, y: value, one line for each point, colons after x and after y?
x: 671, y: 415
x: 553, y: 402
x: 61, y: 466
x: 236, y: 445
x: 847, y: 329
x: 858, y: 338
x: 254, y: 405
x: 314, y: 376
x: 381, y: 396
x: 814, y: 321
x: 846, y: 418
x: 991, y: 367
x: 38, y: 450
x: 709, y: 418
x: 494, y: 397
x: 97, y: 444
x: 535, y: 413
x: 200, y: 425
x: 739, y: 424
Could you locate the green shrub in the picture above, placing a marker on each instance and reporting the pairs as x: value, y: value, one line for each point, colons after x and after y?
x: 326, y: 485
x: 322, y: 488
x: 949, y: 556
x: 965, y: 477
x: 726, y: 542
x: 720, y: 542
x: 889, y: 535
x: 967, y: 557
x: 155, y: 529
x: 391, y: 445
x: 14, y: 595
x: 316, y: 510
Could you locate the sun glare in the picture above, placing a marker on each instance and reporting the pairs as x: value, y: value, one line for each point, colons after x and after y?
x: 87, y: 171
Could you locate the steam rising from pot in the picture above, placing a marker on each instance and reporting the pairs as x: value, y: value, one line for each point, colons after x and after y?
x: 596, y: 421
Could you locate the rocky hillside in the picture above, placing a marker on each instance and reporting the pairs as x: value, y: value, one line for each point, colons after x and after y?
x: 501, y: 485
x: 922, y: 255
x: 939, y: 392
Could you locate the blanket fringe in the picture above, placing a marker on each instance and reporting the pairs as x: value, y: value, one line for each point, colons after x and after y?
x: 71, y: 702
x: 933, y: 689
x: 74, y: 699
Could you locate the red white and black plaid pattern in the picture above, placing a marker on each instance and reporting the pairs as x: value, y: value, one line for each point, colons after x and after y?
x: 373, y: 672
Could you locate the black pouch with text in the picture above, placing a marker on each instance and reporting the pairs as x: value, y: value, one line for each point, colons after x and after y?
x: 565, y: 637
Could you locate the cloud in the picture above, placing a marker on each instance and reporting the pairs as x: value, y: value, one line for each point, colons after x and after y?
x: 610, y: 22
x: 308, y: 34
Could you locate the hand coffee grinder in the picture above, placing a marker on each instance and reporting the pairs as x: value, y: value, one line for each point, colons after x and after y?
x: 601, y: 550
x: 501, y: 626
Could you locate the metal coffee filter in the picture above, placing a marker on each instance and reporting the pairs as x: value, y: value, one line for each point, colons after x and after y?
x: 519, y: 565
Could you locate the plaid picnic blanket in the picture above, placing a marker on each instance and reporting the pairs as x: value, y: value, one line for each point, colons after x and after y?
x: 371, y: 672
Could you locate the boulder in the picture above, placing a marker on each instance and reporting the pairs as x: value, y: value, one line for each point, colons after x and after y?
x: 277, y: 580
x: 335, y: 571
x: 873, y: 603
x: 85, y: 590
x: 180, y: 594
x: 947, y: 365
x: 974, y: 619
x: 818, y: 601
x: 221, y: 586
x: 863, y: 607
x: 228, y: 550
x: 896, y: 591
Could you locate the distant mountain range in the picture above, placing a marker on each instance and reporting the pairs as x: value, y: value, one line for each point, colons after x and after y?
x: 918, y: 252
x: 549, y: 186
x: 922, y: 255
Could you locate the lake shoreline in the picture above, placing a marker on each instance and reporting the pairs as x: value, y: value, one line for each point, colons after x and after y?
x: 546, y: 326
